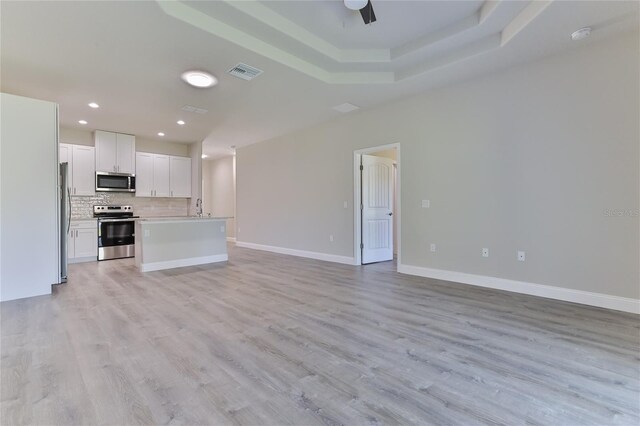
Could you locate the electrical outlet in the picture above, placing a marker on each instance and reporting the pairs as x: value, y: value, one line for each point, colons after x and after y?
x: 426, y: 204
x: 485, y: 252
x: 433, y: 247
x: 345, y: 205
x: 521, y: 256
x: 331, y: 238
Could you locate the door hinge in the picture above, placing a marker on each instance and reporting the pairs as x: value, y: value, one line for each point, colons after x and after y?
x: 361, y: 246
x: 361, y: 207
x: 361, y: 167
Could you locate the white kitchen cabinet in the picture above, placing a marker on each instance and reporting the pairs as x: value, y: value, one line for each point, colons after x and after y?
x: 125, y: 153
x: 180, y: 175
x: 161, y: 176
x: 115, y: 152
x: 65, y: 153
x: 82, y: 245
x: 82, y: 172
x: 153, y: 175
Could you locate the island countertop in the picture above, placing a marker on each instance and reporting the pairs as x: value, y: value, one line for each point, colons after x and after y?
x: 163, y: 219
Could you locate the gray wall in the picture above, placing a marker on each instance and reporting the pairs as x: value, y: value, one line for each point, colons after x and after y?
x: 218, y: 189
x: 534, y: 158
x: 29, y: 241
x: 85, y: 137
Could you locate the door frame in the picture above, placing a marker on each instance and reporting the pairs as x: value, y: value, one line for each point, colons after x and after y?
x: 357, y: 198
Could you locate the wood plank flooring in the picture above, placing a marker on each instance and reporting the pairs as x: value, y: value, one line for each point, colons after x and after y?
x: 268, y: 339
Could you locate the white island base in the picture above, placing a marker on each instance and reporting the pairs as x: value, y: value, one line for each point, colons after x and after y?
x: 165, y: 243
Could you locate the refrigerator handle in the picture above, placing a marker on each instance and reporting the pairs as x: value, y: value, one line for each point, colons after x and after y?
x: 69, y: 211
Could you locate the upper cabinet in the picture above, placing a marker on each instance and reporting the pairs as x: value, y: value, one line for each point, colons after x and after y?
x: 162, y: 175
x: 82, y: 173
x: 152, y: 176
x: 180, y: 176
x: 115, y: 152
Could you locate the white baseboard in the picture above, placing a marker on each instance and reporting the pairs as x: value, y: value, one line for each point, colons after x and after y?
x: 178, y: 263
x: 617, y: 303
x: 82, y: 259
x: 231, y: 239
x: 300, y: 253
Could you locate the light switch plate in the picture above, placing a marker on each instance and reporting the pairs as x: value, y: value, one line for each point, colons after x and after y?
x: 426, y: 204
x: 345, y: 205
x: 222, y: 228
x: 433, y: 247
x: 521, y: 256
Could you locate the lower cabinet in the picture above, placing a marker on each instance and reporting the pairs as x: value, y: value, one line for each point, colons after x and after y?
x: 82, y: 244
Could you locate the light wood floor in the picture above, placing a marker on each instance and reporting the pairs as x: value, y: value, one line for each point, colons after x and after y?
x: 270, y: 339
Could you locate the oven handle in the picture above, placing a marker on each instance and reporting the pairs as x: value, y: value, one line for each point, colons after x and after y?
x: 115, y: 220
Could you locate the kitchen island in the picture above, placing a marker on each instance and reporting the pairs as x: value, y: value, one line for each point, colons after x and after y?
x: 173, y: 242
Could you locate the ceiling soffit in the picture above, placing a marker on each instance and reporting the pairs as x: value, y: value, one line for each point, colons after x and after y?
x: 370, y: 59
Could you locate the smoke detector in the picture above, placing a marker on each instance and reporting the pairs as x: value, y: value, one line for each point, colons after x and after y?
x: 581, y: 34
x: 245, y: 72
x: 346, y: 107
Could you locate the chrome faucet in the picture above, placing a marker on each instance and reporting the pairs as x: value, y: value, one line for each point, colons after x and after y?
x: 199, y: 207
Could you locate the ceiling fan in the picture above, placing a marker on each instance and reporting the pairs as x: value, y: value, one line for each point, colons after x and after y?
x: 365, y: 8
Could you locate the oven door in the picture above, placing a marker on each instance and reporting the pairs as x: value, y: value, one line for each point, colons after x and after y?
x: 115, y: 232
x: 116, y: 238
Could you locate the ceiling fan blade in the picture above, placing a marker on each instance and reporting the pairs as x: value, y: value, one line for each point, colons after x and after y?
x: 368, y: 14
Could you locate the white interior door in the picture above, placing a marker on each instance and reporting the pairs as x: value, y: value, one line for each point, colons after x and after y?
x: 377, y: 209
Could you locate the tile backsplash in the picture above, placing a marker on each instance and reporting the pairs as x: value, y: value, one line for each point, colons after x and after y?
x: 82, y: 207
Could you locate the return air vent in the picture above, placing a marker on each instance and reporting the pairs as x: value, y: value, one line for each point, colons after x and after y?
x: 245, y: 72
x: 190, y: 108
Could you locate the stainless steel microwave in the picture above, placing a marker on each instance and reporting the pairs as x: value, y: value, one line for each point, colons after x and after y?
x: 115, y: 182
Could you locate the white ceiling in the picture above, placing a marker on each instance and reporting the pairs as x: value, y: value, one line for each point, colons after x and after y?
x: 128, y: 57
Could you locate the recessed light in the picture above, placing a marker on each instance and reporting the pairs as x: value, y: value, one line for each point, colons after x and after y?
x: 94, y: 105
x: 82, y: 121
x: 160, y: 134
x: 199, y: 78
x: 180, y: 122
x: 581, y: 33
x: 204, y: 155
x: 355, y: 4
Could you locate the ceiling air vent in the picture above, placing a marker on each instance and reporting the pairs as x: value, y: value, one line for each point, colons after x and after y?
x: 190, y: 108
x: 245, y: 72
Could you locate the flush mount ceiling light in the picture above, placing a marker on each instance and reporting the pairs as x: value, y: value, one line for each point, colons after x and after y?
x: 355, y: 4
x: 204, y: 155
x: 180, y: 122
x: 82, y: 121
x: 199, y: 78
x: 94, y: 105
x: 581, y: 34
x: 160, y: 134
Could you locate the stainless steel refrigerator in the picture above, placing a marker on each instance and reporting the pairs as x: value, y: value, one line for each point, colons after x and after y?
x: 65, y: 219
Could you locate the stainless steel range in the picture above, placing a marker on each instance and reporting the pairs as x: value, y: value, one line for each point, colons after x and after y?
x: 116, y: 235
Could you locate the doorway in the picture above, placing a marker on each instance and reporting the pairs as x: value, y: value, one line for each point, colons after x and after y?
x: 377, y: 204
